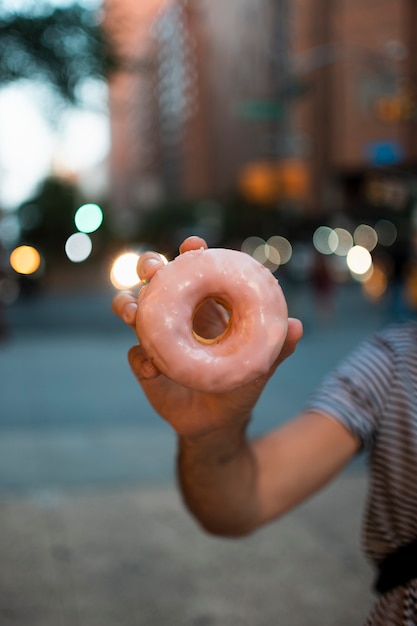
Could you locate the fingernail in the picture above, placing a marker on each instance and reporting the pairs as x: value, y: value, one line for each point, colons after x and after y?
x: 147, y: 268
x: 129, y: 313
x: 148, y: 368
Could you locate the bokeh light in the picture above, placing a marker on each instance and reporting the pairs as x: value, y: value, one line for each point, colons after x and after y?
x: 359, y: 260
x: 325, y: 240
x: 78, y: 247
x: 25, y: 260
x: 273, y: 258
x: 260, y: 253
x: 280, y: 245
x: 88, y: 218
x: 365, y: 236
x: 344, y: 241
x: 250, y: 244
x: 272, y: 253
x: 376, y: 285
x: 123, y: 273
x: 386, y: 232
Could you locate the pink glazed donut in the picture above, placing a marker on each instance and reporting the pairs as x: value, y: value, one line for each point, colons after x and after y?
x: 254, y: 334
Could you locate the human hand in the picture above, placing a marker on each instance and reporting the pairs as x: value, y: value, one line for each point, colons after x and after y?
x: 193, y: 413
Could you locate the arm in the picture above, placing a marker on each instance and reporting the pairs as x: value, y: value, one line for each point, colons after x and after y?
x: 233, y: 485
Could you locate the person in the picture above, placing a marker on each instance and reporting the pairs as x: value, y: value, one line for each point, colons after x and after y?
x: 234, y: 484
x: 323, y: 287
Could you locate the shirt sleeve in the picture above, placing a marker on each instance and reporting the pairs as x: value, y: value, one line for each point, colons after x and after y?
x: 355, y: 392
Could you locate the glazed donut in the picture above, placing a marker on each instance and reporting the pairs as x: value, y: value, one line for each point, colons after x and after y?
x: 255, y: 325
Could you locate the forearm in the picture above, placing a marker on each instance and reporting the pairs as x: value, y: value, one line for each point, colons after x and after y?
x: 234, y: 486
x: 217, y: 477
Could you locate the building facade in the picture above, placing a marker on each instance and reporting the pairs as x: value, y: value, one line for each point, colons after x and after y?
x: 359, y: 58
x: 285, y: 101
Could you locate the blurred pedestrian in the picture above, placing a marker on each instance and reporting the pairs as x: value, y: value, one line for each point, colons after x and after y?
x: 400, y: 255
x: 234, y: 485
x: 322, y: 287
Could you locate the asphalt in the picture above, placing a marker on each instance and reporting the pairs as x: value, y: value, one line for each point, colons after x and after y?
x: 92, y: 527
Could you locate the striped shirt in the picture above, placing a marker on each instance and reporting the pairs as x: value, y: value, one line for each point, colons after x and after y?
x: 374, y: 394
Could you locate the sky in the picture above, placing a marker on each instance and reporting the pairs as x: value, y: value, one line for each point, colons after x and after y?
x: 16, y: 5
x: 29, y: 143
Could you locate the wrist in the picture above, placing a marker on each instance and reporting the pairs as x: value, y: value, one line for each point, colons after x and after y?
x: 221, y: 441
x: 217, y: 478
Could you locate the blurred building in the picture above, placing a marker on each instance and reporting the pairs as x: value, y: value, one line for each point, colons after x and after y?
x: 132, y: 109
x: 358, y: 60
x: 285, y: 101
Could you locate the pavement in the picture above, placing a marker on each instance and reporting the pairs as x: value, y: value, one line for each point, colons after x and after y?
x: 92, y: 527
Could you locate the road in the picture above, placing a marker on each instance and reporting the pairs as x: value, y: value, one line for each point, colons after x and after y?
x: 92, y: 528
x: 72, y: 413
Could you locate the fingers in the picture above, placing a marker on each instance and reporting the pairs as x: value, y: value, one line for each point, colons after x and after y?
x: 125, y: 306
x: 295, y: 331
x: 193, y: 243
x: 148, y: 264
x: 140, y: 365
x: 125, y: 303
x: 294, y: 334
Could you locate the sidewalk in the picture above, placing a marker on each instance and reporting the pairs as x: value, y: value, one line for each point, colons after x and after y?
x: 92, y: 529
x: 133, y: 557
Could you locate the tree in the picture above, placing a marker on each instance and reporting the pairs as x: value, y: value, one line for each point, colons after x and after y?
x: 47, y: 219
x: 62, y: 46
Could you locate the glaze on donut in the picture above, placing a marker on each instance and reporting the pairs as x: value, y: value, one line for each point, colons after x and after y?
x: 252, y: 339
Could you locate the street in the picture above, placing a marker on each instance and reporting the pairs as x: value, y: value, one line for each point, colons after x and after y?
x: 72, y: 413
x: 92, y: 529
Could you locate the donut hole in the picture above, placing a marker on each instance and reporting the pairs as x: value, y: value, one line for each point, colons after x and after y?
x: 211, y: 320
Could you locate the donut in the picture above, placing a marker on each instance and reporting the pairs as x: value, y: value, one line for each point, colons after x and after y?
x: 255, y: 310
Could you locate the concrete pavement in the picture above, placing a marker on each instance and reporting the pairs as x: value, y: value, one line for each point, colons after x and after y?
x: 132, y: 556
x: 92, y: 530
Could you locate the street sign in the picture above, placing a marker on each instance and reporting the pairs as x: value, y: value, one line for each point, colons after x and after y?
x: 388, y: 152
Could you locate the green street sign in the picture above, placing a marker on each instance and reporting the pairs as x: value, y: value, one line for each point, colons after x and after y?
x: 260, y: 109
